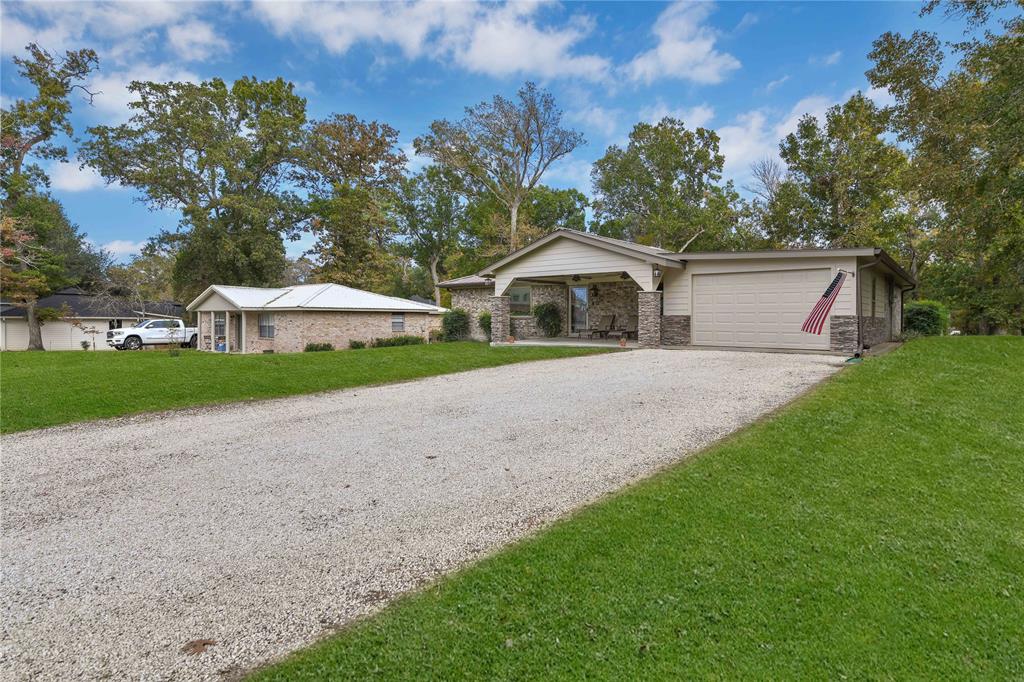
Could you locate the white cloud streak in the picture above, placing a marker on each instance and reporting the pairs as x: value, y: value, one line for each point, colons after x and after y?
x: 685, y: 48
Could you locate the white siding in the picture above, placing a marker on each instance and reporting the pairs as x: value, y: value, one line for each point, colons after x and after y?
x: 215, y: 302
x: 57, y: 334
x: 562, y: 257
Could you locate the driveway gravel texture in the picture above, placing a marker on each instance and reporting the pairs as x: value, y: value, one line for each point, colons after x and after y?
x: 264, y: 526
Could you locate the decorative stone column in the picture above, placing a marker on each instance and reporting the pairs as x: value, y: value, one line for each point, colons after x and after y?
x: 500, y: 318
x: 649, y: 322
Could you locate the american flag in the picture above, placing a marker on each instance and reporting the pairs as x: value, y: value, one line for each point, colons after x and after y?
x: 815, y: 322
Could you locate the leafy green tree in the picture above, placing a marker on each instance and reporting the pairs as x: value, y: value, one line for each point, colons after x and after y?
x: 221, y: 155
x: 503, y: 146
x: 847, y: 175
x: 962, y: 122
x: 664, y: 188
x: 549, y: 209
x: 53, y: 253
x: 352, y: 170
x: 32, y: 127
x: 44, y: 252
x: 432, y: 218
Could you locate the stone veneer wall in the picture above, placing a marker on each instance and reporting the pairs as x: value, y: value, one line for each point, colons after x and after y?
x: 525, y: 326
x: 614, y: 298
x: 675, y: 330
x: 474, y: 301
x: 876, y: 330
x: 500, y: 324
x: 843, y: 334
x: 649, y: 327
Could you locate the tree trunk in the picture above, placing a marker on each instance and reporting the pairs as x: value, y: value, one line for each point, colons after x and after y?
x: 513, y: 210
x: 35, y: 332
x: 433, y: 278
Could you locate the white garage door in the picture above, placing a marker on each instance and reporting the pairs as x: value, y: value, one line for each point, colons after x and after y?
x: 758, y: 309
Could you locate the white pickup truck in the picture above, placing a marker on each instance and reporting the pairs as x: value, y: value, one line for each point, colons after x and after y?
x: 152, y: 333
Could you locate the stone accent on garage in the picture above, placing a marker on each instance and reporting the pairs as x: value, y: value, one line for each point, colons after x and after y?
x: 500, y: 325
x: 675, y: 330
x: 843, y: 334
x: 876, y: 330
x: 649, y: 323
x: 474, y: 301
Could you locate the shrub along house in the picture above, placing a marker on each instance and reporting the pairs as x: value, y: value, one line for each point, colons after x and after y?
x: 751, y: 299
x: 285, y: 320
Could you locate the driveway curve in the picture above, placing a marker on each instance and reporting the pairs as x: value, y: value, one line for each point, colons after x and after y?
x: 199, y: 543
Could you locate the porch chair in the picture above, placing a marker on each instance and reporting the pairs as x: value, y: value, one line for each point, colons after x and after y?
x: 629, y: 331
x: 604, y: 325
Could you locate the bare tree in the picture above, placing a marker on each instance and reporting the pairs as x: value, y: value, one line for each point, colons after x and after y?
x: 767, y: 176
x: 503, y: 145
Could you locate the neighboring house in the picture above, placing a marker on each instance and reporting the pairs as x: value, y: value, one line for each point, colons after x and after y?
x: 84, y: 318
x: 284, y: 320
x: 746, y: 299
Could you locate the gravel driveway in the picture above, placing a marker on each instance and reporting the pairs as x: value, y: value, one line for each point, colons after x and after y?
x: 262, y: 526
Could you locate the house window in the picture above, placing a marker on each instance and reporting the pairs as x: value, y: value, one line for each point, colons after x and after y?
x: 398, y: 322
x: 519, y: 300
x: 266, y: 325
x: 218, y: 324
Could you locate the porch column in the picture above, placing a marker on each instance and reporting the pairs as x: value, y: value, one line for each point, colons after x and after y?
x: 242, y: 349
x: 649, y: 318
x: 227, y: 332
x: 500, y: 318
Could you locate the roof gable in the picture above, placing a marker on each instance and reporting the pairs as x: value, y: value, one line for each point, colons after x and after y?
x: 647, y: 254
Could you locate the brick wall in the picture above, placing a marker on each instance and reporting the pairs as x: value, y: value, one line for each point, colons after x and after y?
x: 474, y: 301
x: 524, y: 326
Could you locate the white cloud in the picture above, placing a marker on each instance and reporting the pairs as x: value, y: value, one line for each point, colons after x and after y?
x: 196, y: 41
x: 827, y: 60
x: 748, y: 20
x: 306, y: 87
x: 570, y: 172
x: 772, y: 85
x: 123, y: 248
x: 693, y: 117
x: 416, y: 162
x: 68, y: 177
x: 113, y: 96
x: 594, y: 117
x: 495, y: 40
x: 59, y: 26
x: 881, y: 97
x: 685, y: 49
x: 755, y: 134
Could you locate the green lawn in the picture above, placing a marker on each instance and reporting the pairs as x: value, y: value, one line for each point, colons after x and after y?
x: 874, y: 529
x: 44, y: 389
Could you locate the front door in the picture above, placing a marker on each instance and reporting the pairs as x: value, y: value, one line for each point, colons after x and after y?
x: 578, y: 309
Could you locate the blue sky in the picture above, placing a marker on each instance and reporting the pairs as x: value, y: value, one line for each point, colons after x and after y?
x: 748, y: 70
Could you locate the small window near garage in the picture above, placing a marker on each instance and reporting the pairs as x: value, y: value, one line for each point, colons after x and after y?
x: 218, y: 324
x: 398, y: 322
x: 519, y: 300
x: 266, y: 325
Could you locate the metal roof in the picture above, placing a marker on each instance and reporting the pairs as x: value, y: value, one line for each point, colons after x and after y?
x: 313, y: 297
x: 469, y: 281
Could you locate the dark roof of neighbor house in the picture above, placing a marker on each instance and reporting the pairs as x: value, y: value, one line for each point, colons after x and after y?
x: 467, y: 282
x: 81, y: 304
x: 479, y: 280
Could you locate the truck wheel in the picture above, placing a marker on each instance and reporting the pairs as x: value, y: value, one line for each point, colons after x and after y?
x: 133, y: 343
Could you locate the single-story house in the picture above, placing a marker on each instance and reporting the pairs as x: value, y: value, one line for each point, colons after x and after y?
x: 745, y: 299
x: 286, y: 319
x: 84, y: 318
